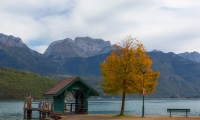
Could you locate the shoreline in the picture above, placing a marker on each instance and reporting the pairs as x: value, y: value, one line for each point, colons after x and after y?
x: 127, y: 117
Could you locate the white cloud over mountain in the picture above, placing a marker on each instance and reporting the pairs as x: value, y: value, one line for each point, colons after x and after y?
x: 167, y: 25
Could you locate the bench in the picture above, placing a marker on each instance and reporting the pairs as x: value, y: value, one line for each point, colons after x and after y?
x: 178, y: 110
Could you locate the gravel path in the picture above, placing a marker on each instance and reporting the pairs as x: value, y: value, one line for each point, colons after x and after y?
x: 129, y: 117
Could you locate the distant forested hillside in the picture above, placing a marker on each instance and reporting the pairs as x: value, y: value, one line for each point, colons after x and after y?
x: 15, y: 84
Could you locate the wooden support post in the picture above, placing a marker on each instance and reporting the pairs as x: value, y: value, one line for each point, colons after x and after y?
x: 70, y: 107
x: 65, y: 103
x: 40, y: 115
x: 28, y: 105
x: 43, y: 114
x: 186, y: 113
x: 29, y: 113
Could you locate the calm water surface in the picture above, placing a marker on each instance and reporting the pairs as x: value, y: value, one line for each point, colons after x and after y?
x: 13, y: 110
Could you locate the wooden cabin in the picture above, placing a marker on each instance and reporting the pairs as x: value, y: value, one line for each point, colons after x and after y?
x: 80, y: 90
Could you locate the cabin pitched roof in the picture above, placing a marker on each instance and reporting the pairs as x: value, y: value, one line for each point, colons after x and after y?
x: 64, y: 84
x: 60, y: 86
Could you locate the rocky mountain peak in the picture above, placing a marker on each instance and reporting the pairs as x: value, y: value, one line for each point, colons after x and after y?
x: 193, y: 56
x: 11, y: 41
x: 80, y: 47
x: 61, y: 49
x: 154, y: 50
x: 89, y: 44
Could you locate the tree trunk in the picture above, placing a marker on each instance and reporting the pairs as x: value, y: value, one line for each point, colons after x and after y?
x: 123, y: 103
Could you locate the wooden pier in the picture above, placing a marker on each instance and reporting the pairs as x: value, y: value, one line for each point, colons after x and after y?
x: 45, y: 109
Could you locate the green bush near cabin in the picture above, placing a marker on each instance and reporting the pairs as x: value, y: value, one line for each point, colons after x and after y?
x: 15, y: 84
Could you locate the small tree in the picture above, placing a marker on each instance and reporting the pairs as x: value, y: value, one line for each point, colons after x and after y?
x: 123, y: 71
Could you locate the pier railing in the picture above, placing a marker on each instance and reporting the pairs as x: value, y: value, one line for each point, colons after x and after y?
x: 45, y: 108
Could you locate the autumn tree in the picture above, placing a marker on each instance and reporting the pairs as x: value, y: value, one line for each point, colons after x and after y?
x: 128, y: 70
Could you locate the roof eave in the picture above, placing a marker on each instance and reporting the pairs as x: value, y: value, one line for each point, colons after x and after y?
x: 49, y: 95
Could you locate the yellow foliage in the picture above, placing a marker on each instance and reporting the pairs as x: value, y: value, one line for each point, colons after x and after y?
x: 128, y: 69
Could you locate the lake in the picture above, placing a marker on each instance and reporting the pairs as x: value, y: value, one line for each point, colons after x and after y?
x: 13, y: 110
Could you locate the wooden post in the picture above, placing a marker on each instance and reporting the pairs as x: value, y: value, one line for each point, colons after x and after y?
x: 65, y: 103
x: 43, y: 114
x: 29, y: 104
x: 51, y: 107
x: 29, y: 113
x: 40, y: 114
x: 86, y: 105
x: 29, y: 107
x: 186, y: 113
x: 71, y: 107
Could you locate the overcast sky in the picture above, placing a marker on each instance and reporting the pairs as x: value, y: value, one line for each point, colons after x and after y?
x: 166, y: 25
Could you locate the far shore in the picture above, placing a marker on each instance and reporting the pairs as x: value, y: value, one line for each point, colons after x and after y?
x: 127, y: 117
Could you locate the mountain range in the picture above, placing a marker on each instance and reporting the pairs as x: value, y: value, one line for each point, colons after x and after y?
x: 179, y: 73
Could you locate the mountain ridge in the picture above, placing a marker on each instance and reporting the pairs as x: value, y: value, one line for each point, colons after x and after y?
x: 17, y: 55
x: 178, y: 75
x: 11, y: 41
x: 193, y: 56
